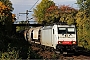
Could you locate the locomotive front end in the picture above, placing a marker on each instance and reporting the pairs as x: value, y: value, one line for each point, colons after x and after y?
x: 66, y: 37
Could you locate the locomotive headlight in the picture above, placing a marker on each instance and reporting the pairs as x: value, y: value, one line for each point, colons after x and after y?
x: 59, y: 42
x: 74, y: 42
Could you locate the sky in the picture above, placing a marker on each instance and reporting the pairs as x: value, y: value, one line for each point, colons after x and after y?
x: 20, y: 6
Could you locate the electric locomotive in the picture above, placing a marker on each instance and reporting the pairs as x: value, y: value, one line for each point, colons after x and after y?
x: 58, y: 36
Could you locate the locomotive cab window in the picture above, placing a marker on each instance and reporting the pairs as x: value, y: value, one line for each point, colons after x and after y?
x: 61, y: 30
x: 71, y: 30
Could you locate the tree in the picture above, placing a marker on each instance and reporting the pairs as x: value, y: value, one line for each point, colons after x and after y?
x: 83, y: 28
x: 83, y: 4
x: 3, y: 13
x: 20, y: 28
x: 67, y: 14
x: 52, y: 15
x: 83, y: 23
x: 5, y: 17
x: 8, y: 4
x: 39, y: 12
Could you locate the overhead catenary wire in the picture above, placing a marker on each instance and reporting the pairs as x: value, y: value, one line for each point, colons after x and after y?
x: 34, y: 5
x: 29, y: 10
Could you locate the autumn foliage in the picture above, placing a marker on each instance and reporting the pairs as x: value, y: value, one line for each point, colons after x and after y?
x: 62, y: 13
x: 3, y: 9
x: 13, y: 18
x: 51, y: 14
x: 67, y: 8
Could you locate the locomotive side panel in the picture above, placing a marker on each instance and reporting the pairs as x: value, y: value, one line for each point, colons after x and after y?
x: 47, y: 36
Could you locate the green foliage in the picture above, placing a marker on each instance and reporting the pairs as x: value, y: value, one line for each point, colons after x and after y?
x: 83, y: 4
x: 10, y: 55
x: 39, y: 12
x: 6, y: 52
x: 83, y: 24
x: 70, y: 19
x: 19, y: 28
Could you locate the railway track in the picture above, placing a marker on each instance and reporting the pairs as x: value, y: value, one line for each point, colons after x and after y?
x: 45, y: 53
